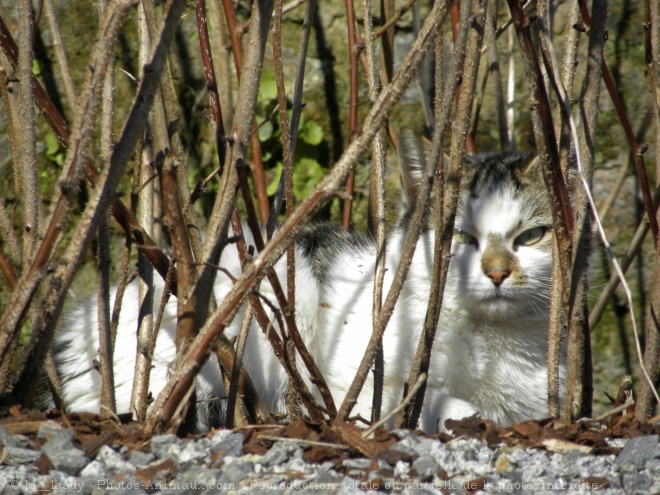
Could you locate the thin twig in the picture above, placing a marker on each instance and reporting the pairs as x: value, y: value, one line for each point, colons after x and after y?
x: 54, y: 118
x: 616, y: 410
x: 352, y: 106
x: 60, y: 54
x: 427, y: 35
x: 585, y: 184
x: 395, y: 411
x: 377, y: 213
x: 309, y: 443
x: 326, y: 189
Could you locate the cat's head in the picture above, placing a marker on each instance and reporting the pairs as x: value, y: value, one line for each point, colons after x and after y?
x: 502, y: 246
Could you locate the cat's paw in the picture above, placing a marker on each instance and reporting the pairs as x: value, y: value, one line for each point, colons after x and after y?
x: 453, y: 408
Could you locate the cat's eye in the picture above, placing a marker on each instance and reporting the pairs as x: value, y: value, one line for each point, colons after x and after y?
x: 464, y: 238
x: 531, y: 236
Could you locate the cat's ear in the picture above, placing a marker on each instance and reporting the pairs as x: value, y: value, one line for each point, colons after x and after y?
x: 533, y: 168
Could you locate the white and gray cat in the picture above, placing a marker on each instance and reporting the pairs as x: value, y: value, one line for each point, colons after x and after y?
x: 490, y: 352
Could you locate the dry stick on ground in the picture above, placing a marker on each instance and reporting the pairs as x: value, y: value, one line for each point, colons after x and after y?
x: 59, y: 281
x: 326, y: 189
x: 645, y: 404
x: 124, y: 218
x: 377, y: 210
x: 418, y: 51
x: 21, y: 298
x: 352, y: 106
x: 464, y: 60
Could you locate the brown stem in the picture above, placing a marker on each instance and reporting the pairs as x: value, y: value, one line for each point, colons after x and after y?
x: 186, y: 327
x: 284, y: 236
x: 352, y: 106
x: 415, y: 56
x: 630, y: 135
x: 256, y: 165
x: 289, y: 316
x: 27, y: 165
x: 447, y: 199
x: 211, y: 82
x: 216, y: 238
x: 377, y: 210
x: 546, y: 143
x: 60, y: 279
x: 124, y: 218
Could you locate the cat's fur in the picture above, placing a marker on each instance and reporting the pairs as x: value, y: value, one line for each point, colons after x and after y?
x: 490, y: 351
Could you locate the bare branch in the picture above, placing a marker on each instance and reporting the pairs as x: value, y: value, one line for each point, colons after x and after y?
x: 326, y: 189
x: 417, y: 52
x: 27, y: 164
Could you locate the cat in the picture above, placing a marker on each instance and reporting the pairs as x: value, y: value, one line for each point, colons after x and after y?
x: 490, y: 352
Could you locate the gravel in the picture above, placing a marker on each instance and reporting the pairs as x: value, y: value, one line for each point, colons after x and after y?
x: 415, y: 464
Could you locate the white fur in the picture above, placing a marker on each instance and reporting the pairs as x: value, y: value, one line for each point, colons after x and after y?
x: 489, y: 355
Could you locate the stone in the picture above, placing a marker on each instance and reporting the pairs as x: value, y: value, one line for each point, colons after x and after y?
x: 231, y: 444
x: 637, y: 483
x: 166, y: 445
x: 6, y: 438
x: 113, y: 461
x: 24, y: 442
x: 639, y: 450
x: 139, y: 458
x: 425, y: 466
x: 94, y: 470
x: 61, y: 452
x: 17, y: 455
x: 236, y: 471
x: 281, y: 452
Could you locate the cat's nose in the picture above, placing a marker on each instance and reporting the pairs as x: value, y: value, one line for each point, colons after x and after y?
x: 498, y: 276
